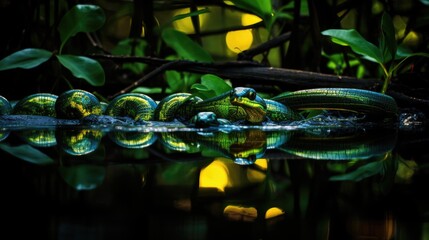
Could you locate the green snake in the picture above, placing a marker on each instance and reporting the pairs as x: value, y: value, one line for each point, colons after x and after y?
x: 239, y: 104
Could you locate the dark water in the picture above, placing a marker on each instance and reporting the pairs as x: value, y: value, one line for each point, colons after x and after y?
x: 164, y: 182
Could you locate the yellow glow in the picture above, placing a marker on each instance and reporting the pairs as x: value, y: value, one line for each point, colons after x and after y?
x: 254, y: 175
x: 377, y: 7
x: 214, y: 175
x: 238, y: 213
x: 249, y: 19
x: 400, y: 24
x: 185, y: 25
x: 412, y: 39
x: 262, y: 163
x: 273, y: 212
x: 230, y: 3
x: 238, y: 41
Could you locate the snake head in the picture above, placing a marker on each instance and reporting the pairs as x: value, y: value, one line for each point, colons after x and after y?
x: 248, y: 99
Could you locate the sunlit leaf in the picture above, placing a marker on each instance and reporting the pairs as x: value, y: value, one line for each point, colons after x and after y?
x: 83, y: 67
x: 387, y: 40
x: 83, y: 177
x: 26, y: 58
x: 81, y: 18
x: 184, y: 46
x: 27, y: 153
x: 261, y: 8
x: 358, y: 44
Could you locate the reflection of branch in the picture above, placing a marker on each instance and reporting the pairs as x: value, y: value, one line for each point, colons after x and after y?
x: 413, y: 101
x: 244, y: 72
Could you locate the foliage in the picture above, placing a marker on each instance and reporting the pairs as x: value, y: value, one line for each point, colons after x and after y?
x: 27, y: 153
x: 162, y: 41
x: 81, y: 18
x: 385, y: 54
x: 132, y: 47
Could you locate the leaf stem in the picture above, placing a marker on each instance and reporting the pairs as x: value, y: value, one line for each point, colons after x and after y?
x: 387, y: 77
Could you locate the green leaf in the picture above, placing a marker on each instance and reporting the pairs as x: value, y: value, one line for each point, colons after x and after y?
x: 202, y: 91
x: 357, y: 43
x: 261, y: 8
x: 83, y: 67
x: 25, y: 58
x: 81, y: 18
x: 402, y: 52
x: 132, y: 47
x: 210, y: 86
x: 387, y: 41
x: 184, y: 46
x: 174, y: 80
x: 27, y: 153
x: 215, y: 83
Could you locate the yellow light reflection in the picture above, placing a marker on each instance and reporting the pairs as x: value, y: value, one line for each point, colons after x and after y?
x: 215, y: 176
x: 238, y: 41
x: 249, y: 19
x: 238, y: 213
x: 262, y: 163
x: 254, y: 175
x: 273, y: 212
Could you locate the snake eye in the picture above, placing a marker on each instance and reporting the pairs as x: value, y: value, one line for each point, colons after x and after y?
x: 251, y: 95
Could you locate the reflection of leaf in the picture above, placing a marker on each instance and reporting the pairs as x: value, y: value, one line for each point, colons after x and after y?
x: 83, y: 67
x: 83, y: 177
x: 27, y: 153
x: 361, y: 173
x: 26, y: 58
x: 179, y: 173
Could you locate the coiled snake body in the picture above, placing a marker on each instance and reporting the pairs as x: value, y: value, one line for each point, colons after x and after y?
x: 239, y: 104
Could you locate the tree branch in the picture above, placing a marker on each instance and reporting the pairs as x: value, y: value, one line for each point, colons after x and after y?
x: 244, y: 72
